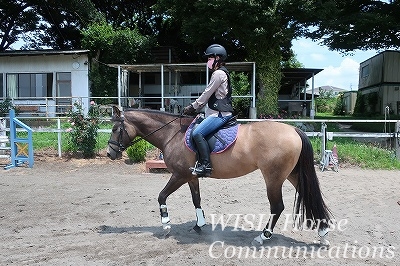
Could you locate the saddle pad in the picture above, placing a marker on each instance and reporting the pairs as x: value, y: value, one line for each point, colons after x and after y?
x: 225, y: 138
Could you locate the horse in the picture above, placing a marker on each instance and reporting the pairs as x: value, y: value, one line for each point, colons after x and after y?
x: 279, y: 150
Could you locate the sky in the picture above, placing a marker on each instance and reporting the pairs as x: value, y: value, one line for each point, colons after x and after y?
x: 339, y: 70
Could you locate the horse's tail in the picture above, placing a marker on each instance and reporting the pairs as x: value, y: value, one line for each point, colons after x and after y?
x: 309, y: 203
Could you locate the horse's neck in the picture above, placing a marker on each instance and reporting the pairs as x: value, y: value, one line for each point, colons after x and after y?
x: 155, y: 130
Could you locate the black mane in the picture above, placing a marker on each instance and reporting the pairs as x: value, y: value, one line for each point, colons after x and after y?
x: 154, y: 111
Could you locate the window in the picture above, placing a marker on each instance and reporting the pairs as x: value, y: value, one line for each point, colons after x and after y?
x: 29, y: 85
x: 63, y: 91
x: 365, y: 71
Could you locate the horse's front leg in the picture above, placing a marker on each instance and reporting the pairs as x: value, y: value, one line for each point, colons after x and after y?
x: 173, y: 184
x: 195, y: 190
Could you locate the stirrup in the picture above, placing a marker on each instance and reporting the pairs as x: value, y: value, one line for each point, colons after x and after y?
x: 205, y: 172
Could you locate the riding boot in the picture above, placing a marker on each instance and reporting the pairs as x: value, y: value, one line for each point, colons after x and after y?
x: 203, y: 167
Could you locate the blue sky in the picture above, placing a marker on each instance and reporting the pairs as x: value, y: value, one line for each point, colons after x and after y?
x: 339, y: 70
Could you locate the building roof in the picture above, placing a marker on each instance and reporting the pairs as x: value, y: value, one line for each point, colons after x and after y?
x: 333, y: 89
x: 42, y: 52
x: 296, y: 76
x: 185, y: 67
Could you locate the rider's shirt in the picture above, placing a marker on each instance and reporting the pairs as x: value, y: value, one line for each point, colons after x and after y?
x: 218, y: 85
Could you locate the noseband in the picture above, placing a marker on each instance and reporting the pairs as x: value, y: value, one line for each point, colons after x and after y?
x: 121, y: 146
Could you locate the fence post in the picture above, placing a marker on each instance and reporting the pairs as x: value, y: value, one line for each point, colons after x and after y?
x: 397, y: 139
x: 323, y: 139
x: 59, y: 136
x: 3, y: 139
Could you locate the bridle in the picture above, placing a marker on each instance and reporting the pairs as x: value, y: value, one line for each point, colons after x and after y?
x: 118, y: 143
x: 122, y: 129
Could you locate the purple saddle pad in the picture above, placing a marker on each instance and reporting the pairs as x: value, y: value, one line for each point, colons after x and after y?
x: 224, y: 138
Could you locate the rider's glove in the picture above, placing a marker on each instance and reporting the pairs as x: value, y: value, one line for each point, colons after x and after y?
x: 189, y: 110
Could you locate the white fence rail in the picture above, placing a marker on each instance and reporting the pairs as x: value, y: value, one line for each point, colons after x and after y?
x: 324, y: 134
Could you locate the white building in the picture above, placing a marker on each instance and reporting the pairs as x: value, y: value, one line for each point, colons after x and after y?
x: 45, y: 82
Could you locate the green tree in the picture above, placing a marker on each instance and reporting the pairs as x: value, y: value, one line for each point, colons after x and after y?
x: 325, y: 102
x: 16, y: 18
x: 339, y: 106
x: 49, y: 23
x: 240, y: 86
x: 259, y: 31
x: 116, y: 46
x: 356, y: 24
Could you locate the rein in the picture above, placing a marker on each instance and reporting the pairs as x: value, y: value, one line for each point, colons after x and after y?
x: 151, y: 133
x: 121, y: 147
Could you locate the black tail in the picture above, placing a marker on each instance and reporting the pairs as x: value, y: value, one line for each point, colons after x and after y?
x: 309, y: 203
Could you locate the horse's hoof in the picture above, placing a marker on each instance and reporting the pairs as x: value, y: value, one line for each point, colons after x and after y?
x: 167, y: 229
x: 257, y: 241
x: 324, y: 243
x: 197, y: 229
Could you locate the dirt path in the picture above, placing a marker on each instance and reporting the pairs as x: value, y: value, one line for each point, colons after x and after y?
x: 99, y: 212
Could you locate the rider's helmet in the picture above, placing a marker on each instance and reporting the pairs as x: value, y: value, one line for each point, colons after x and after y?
x: 216, y: 49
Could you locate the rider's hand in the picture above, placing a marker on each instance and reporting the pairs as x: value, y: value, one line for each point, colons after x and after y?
x: 189, y: 110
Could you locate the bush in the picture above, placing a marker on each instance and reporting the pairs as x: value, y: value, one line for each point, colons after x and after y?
x: 339, y: 106
x: 6, y: 106
x: 240, y: 86
x: 83, y: 131
x: 137, y: 152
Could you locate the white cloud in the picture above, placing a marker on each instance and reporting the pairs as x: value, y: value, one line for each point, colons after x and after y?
x: 318, y: 57
x: 344, y: 76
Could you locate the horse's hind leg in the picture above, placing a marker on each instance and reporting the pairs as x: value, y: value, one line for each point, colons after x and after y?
x: 195, y: 190
x: 274, y: 193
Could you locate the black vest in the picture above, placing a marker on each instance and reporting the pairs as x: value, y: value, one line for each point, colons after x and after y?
x: 225, y: 104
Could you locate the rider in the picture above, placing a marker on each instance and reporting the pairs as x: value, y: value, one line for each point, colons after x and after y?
x: 217, y: 99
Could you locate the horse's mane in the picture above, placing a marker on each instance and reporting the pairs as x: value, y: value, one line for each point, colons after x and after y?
x: 153, y: 111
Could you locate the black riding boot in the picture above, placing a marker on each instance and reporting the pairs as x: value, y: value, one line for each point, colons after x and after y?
x: 203, y: 167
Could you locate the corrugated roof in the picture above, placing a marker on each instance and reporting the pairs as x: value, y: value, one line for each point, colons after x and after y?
x: 185, y: 67
x: 41, y: 52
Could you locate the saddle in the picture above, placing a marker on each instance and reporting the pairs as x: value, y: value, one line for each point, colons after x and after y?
x: 218, y: 141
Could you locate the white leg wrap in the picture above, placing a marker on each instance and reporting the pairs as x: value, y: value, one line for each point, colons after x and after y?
x: 323, y: 235
x: 164, y: 214
x: 201, y: 221
x: 265, y: 235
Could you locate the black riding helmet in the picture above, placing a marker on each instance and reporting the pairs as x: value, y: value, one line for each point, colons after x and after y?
x: 216, y: 49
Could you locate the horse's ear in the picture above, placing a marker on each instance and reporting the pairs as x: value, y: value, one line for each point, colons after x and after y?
x: 116, y: 112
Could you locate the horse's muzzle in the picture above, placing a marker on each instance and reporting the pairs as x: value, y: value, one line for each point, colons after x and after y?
x: 109, y: 156
x: 114, y: 154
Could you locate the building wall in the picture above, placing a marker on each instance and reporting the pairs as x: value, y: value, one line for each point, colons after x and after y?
x: 371, y: 72
x: 76, y: 64
x: 349, y: 99
x: 381, y: 74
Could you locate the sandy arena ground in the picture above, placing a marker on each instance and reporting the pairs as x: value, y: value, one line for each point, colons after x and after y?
x: 102, y: 212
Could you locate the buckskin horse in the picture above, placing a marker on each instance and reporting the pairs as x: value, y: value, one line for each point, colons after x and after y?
x: 279, y: 150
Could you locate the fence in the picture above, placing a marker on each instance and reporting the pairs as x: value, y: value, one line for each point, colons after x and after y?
x: 325, y: 135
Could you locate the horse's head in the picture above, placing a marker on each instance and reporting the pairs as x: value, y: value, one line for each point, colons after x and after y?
x: 121, y: 136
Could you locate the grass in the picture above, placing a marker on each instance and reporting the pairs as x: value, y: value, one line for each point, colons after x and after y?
x: 365, y: 155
